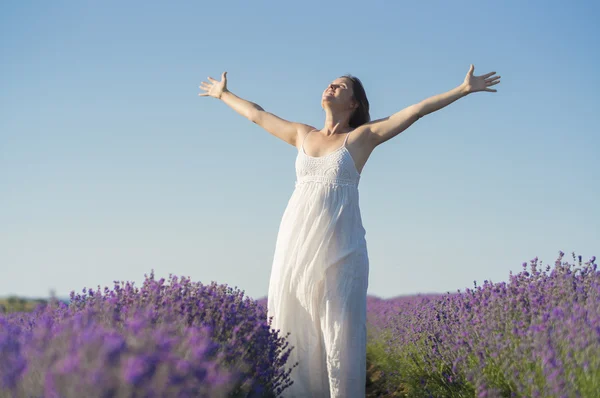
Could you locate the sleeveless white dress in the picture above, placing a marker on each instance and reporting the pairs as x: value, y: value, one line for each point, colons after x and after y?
x: 319, y: 279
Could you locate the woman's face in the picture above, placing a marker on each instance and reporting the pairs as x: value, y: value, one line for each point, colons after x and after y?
x: 339, y: 92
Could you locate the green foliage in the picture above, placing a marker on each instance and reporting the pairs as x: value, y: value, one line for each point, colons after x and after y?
x: 404, y: 372
x: 19, y: 304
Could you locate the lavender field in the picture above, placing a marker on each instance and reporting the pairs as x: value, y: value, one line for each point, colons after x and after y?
x: 536, y: 335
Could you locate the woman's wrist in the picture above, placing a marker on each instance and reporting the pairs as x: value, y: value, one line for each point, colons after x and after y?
x: 221, y: 95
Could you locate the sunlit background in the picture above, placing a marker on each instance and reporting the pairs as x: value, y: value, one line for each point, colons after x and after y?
x: 111, y: 165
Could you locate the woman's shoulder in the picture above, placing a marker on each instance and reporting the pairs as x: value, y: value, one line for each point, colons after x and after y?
x: 303, y: 131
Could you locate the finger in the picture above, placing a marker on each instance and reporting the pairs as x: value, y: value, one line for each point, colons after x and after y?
x: 488, y: 75
x: 223, y: 75
x: 491, y: 84
x: 205, y: 84
x: 471, y: 69
x: 490, y: 90
x: 492, y: 79
x: 212, y: 80
x: 203, y: 95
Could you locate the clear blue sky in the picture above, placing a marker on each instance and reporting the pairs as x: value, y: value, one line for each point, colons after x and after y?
x: 111, y: 165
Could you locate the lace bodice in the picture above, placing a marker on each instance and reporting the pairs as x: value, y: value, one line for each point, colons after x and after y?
x: 337, y: 167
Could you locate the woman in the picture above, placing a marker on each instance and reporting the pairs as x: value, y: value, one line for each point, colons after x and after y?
x: 319, y: 277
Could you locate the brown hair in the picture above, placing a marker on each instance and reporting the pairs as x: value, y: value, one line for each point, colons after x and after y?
x: 361, y: 114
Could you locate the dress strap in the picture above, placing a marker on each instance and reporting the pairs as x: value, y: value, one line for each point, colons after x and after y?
x: 347, y: 134
x: 304, y: 139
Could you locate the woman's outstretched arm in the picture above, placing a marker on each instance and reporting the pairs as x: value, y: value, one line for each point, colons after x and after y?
x: 384, y: 129
x: 280, y: 128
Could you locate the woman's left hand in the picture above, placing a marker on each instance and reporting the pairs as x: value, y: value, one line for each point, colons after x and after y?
x: 473, y: 83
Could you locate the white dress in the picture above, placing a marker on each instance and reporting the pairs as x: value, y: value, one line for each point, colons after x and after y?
x: 319, y: 279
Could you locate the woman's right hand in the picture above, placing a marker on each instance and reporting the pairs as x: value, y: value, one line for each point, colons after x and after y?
x: 214, y: 88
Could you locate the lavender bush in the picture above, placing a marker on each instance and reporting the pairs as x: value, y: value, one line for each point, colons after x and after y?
x: 536, y: 336
x: 182, y: 339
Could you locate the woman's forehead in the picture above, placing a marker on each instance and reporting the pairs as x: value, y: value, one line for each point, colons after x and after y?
x: 341, y: 80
